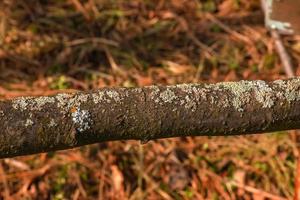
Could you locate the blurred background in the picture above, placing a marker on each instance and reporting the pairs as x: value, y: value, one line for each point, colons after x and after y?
x: 48, y: 46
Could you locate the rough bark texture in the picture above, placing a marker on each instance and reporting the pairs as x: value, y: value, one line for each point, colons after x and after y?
x: 39, y: 124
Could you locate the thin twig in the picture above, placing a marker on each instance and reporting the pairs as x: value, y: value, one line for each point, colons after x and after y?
x: 281, y: 50
x: 81, y: 9
x: 3, y: 177
x: 235, y: 34
x: 283, y: 54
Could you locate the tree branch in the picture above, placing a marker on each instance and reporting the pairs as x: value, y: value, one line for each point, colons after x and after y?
x: 39, y: 124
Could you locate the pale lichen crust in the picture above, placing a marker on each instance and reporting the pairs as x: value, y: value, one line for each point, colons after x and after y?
x: 228, y: 94
x: 242, y: 92
x: 65, y: 103
x: 20, y: 103
x: 31, y: 103
x: 82, y: 120
x: 291, y: 89
x: 167, y: 96
x: 52, y: 123
x: 28, y: 122
x: 107, y: 96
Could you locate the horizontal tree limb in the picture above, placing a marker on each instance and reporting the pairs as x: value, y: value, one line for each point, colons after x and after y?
x: 39, y: 124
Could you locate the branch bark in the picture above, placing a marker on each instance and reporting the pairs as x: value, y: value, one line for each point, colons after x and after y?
x: 39, y: 124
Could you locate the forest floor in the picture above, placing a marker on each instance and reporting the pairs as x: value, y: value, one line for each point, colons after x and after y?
x: 68, y: 45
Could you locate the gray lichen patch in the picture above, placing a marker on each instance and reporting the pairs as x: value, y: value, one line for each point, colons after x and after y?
x: 28, y: 122
x: 67, y: 101
x: 62, y: 99
x: 187, y: 88
x: 138, y: 90
x: 189, y: 95
x: 280, y: 83
x: 79, y: 99
x: 243, y: 92
x: 52, y: 123
x: 264, y: 94
x: 154, y: 93
x: 167, y: 96
x: 20, y: 103
x: 98, y: 97
x: 240, y: 92
x: 108, y: 96
x: 82, y: 120
x: 114, y: 95
x: 31, y: 103
x: 290, y: 89
x: 225, y: 103
x: 41, y: 101
x: 198, y: 91
x: 190, y: 104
